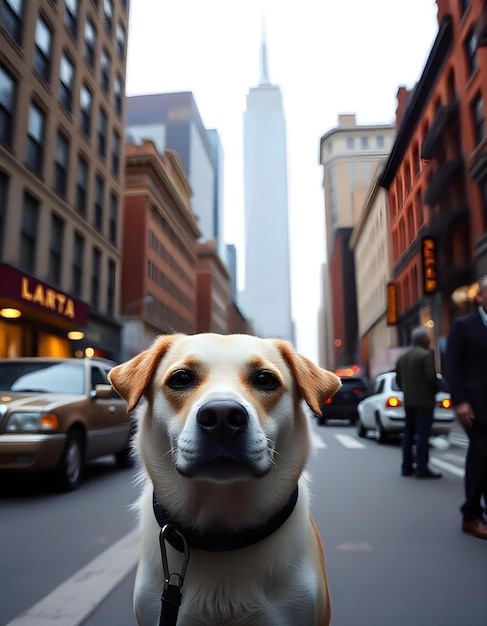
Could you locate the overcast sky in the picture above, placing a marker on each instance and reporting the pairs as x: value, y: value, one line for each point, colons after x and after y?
x: 328, y: 57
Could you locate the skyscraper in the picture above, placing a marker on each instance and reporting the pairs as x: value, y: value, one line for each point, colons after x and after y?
x: 266, y: 299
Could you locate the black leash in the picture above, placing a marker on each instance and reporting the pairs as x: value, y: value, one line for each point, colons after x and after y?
x: 173, y: 581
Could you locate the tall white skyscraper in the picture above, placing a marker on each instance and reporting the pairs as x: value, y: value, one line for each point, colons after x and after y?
x: 266, y: 299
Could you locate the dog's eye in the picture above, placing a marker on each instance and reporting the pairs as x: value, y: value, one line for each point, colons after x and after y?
x: 265, y: 380
x: 181, y: 379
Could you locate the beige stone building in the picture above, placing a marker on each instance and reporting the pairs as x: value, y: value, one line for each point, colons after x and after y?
x: 62, y: 84
x: 370, y: 243
x: 349, y: 154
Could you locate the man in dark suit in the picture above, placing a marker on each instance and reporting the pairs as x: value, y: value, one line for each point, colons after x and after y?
x: 416, y: 376
x: 466, y: 373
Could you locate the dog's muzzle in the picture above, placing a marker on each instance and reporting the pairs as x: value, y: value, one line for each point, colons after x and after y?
x: 222, y: 420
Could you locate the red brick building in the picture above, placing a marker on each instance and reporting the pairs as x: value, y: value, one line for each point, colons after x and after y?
x: 436, y: 175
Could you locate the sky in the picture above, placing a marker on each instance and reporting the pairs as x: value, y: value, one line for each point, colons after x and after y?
x: 328, y: 57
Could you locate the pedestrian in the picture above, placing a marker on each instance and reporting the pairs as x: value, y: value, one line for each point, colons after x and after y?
x: 416, y: 376
x: 466, y: 374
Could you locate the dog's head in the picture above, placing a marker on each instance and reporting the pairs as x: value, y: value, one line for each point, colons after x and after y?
x: 222, y: 408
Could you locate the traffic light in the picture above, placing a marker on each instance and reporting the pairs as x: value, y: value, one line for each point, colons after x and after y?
x: 428, y: 262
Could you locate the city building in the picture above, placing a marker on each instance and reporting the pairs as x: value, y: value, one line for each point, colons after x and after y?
x: 218, y: 193
x: 349, y: 154
x: 172, y: 121
x: 159, y: 262
x: 436, y: 178
x: 266, y: 300
x: 62, y: 106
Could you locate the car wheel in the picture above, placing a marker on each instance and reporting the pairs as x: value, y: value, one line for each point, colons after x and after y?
x: 361, y: 430
x: 381, y: 433
x: 70, y: 469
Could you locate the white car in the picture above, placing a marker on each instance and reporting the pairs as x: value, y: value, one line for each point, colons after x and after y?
x: 383, y: 410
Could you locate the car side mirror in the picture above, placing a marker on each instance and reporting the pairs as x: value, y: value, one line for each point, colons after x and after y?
x: 102, y: 392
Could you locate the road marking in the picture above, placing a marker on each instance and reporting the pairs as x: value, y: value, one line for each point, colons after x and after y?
x: 362, y: 546
x: 448, y: 467
x: 77, y: 597
x: 318, y: 443
x: 348, y: 441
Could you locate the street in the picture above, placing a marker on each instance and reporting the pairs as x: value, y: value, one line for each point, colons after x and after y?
x: 394, y: 549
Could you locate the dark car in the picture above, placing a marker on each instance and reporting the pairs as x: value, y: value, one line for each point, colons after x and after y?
x: 343, y: 405
x: 56, y: 414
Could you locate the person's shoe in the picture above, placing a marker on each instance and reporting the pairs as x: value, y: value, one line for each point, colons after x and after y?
x: 407, y: 472
x: 475, y: 527
x: 429, y: 474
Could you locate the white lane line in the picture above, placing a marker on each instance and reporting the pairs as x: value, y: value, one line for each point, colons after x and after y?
x: 317, y: 442
x: 73, y: 601
x: 448, y: 467
x: 348, y: 441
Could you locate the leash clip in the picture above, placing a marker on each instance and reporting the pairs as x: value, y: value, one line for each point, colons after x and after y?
x: 173, y: 581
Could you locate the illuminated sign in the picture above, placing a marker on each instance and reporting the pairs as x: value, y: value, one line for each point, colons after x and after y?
x: 428, y: 258
x: 391, y: 302
x: 48, y: 298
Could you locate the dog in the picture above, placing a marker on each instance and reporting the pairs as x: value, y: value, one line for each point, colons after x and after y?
x: 223, y: 438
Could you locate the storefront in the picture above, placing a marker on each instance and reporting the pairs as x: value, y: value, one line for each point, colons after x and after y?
x: 36, y: 319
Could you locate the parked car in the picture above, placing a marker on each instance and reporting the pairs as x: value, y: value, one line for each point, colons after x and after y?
x: 383, y: 410
x: 343, y: 405
x: 56, y: 414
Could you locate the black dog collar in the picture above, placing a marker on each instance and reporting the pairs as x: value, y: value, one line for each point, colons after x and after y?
x: 219, y: 540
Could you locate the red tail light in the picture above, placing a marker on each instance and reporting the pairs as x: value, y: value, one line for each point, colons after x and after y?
x: 445, y: 403
x: 329, y: 401
x: 392, y: 402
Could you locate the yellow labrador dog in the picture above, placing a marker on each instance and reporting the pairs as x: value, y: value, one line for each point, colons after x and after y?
x: 223, y: 439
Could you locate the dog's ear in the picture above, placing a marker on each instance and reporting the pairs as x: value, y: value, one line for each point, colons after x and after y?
x: 131, y: 379
x: 315, y: 383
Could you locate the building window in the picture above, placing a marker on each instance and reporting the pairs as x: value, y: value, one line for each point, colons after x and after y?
x: 117, y: 94
x: 483, y: 189
x: 102, y: 133
x: 98, y: 212
x: 86, y: 99
x: 35, y: 138
x: 364, y: 143
x: 350, y: 143
x: 95, y: 278
x: 81, y: 185
x: 56, y: 250
x: 111, y: 288
x: 464, y: 4
x: 28, y: 235
x: 380, y: 141
x: 3, y: 207
x: 7, y: 106
x: 90, y: 42
x: 351, y: 174
x: 478, y: 119
x: 120, y: 41
x: 105, y: 71
x: 43, y: 49
x: 108, y: 12
x: 66, y: 77
x: 71, y: 16
x: 113, y: 222
x: 12, y: 11
x: 78, y: 255
x: 471, y: 52
x: 61, y: 165
x: 116, y: 154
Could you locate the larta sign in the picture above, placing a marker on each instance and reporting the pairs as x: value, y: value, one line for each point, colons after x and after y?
x: 48, y: 298
x: 428, y: 258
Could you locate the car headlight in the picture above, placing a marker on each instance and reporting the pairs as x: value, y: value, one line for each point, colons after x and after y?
x: 31, y: 422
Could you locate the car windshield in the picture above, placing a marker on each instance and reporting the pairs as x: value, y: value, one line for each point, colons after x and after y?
x: 42, y: 377
x: 394, y: 385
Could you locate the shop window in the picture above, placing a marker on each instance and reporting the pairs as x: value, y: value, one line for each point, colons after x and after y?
x: 8, y: 89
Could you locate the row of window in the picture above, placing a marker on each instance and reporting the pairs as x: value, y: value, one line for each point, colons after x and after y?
x: 168, y: 259
x: 29, y: 244
x: 365, y: 143
x: 162, y: 280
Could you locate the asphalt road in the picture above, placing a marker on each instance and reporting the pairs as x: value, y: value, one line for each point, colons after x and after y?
x: 395, y: 553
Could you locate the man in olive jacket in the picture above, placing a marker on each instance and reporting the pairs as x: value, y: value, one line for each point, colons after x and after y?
x: 416, y: 376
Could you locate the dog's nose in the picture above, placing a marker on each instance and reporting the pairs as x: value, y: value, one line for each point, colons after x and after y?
x: 222, y: 419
